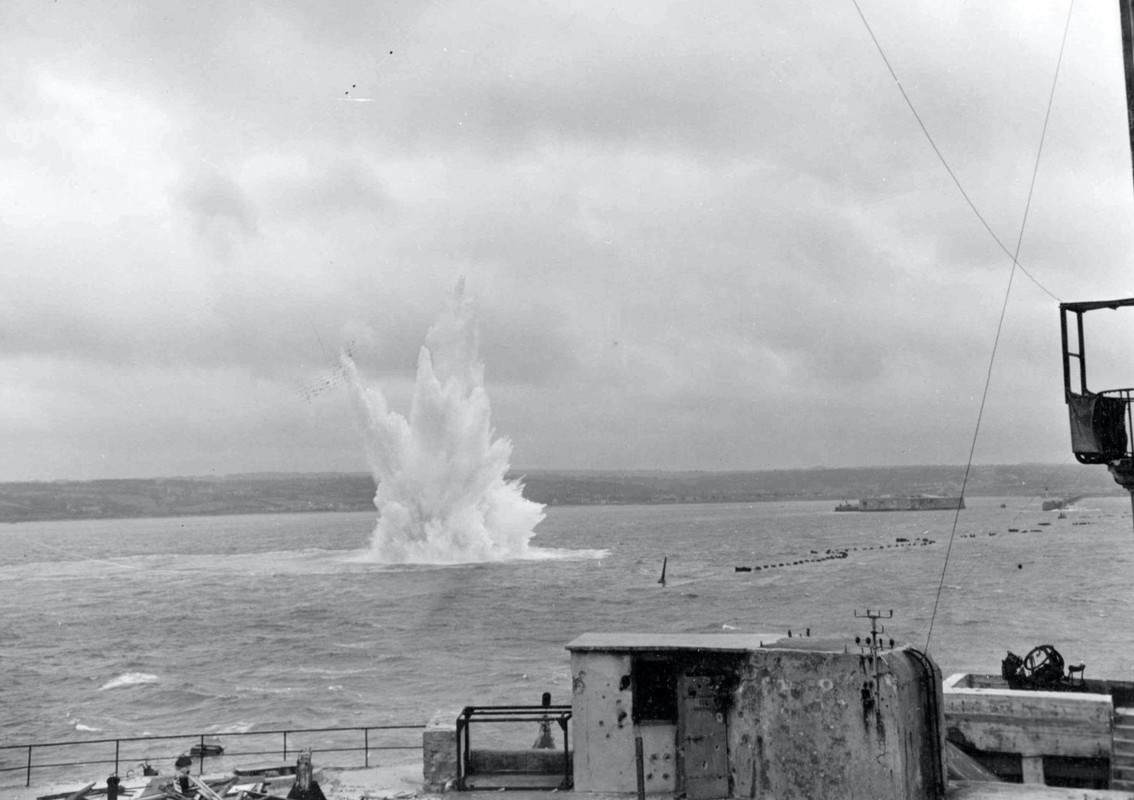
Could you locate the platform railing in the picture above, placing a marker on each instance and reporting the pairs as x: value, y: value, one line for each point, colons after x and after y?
x: 544, y: 715
x: 142, y: 748
x: 1127, y: 397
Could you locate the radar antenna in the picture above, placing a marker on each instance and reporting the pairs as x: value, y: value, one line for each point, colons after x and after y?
x: 872, y: 688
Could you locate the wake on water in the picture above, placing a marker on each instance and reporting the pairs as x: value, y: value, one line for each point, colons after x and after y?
x: 219, y: 567
x: 366, y: 557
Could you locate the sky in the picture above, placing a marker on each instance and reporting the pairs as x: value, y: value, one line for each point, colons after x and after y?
x: 698, y: 236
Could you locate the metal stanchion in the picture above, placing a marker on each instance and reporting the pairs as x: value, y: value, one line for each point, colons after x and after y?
x: 640, y: 763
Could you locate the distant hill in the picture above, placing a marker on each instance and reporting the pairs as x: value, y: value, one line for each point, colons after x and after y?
x: 1027, y: 480
x: 291, y: 493
x: 179, y: 497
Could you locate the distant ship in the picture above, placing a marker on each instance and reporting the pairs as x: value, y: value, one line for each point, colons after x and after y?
x: 919, y: 502
x: 1053, y: 505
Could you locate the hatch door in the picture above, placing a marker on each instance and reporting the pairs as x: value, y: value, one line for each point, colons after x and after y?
x: 702, y: 735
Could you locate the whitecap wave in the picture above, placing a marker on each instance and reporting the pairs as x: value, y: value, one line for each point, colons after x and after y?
x: 240, y: 726
x: 268, y: 689
x: 87, y: 728
x: 128, y: 679
x: 334, y: 672
x: 366, y: 557
x: 564, y: 554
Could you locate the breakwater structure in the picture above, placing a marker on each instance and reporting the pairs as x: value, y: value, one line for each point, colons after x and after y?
x: 920, y: 502
x: 1063, y: 502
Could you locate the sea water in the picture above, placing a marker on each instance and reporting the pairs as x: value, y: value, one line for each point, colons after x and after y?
x: 119, y: 628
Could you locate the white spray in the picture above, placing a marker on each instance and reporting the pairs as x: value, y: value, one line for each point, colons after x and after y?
x: 442, y: 494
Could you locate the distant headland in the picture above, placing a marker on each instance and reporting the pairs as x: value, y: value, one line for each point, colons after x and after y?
x: 300, y: 492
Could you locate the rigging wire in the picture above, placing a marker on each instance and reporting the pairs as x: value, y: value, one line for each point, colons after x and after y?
x: 945, y: 164
x: 1000, y: 324
x: 1011, y: 275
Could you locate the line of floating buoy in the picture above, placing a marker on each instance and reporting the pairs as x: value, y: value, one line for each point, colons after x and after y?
x: 900, y: 541
x: 1019, y: 530
x: 832, y: 554
x: 817, y: 558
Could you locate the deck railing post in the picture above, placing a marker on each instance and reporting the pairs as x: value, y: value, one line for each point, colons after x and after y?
x: 639, y: 763
x: 568, y: 776
x: 366, y: 747
x: 117, y: 742
x: 285, y: 745
x: 29, y: 766
x: 460, y: 751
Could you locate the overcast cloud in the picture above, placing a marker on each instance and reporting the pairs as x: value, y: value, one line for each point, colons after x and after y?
x: 699, y: 235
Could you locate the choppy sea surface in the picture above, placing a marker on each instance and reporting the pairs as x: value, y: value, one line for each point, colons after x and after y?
x: 120, y: 628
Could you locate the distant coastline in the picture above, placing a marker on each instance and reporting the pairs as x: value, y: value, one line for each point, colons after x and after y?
x: 322, y: 492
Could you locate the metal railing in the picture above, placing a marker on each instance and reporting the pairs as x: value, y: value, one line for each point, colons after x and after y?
x: 140, y: 748
x: 542, y: 714
x: 1126, y: 396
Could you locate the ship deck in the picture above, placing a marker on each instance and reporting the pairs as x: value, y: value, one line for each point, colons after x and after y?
x: 404, y: 781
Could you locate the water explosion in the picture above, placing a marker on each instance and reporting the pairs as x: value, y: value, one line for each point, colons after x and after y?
x: 442, y: 494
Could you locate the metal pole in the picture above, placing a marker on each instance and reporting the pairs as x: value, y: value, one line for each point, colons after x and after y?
x: 466, y: 747
x: 366, y: 747
x: 1066, y: 353
x: 460, y: 751
x: 639, y: 764
x: 568, y: 778
x: 1127, y: 18
x: 285, y: 745
x: 116, y: 744
x: 29, y: 766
